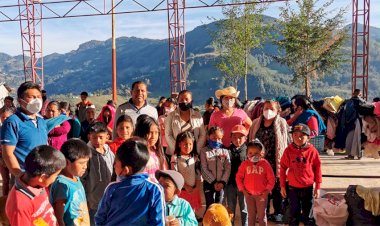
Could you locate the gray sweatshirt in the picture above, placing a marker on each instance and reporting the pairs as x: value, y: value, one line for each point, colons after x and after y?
x: 215, y: 165
x: 98, y: 175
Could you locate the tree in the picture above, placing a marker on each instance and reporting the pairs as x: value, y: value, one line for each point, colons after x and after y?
x: 241, y: 31
x: 311, y: 42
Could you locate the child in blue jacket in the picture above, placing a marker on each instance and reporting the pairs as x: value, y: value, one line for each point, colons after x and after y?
x: 134, y: 199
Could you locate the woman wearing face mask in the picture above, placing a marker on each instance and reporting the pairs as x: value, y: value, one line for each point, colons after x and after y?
x: 272, y: 131
x: 184, y: 118
x: 229, y: 116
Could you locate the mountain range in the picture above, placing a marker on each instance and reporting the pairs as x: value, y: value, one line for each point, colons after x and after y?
x: 88, y: 68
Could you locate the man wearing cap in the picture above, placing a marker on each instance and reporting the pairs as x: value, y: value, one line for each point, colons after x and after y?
x: 137, y: 105
x: 301, y: 167
x: 90, y: 118
x: 178, y: 210
x: 229, y: 115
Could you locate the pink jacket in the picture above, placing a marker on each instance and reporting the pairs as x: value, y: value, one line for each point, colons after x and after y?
x: 58, y: 135
x: 111, y: 121
x: 255, y: 178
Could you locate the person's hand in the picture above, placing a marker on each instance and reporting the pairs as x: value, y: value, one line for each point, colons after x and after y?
x: 317, y: 193
x: 283, y: 192
x: 174, y: 223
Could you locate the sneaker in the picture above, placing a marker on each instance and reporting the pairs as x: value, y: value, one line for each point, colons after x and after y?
x: 330, y: 152
x: 278, y: 218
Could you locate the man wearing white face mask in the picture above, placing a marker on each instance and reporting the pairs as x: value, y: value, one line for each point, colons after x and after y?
x: 25, y: 129
x: 272, y: 131
x: 229, y: 116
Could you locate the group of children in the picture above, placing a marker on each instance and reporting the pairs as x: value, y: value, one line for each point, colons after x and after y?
x: 117, y: 183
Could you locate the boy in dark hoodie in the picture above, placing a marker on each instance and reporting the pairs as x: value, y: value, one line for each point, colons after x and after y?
x: 100, y: 167
x: 303, y: 166
x: 238, y: 154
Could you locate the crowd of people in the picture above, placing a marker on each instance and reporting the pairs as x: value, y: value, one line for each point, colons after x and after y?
x: 136, y: 164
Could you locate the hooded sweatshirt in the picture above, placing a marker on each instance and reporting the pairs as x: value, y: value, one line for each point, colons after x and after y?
x: 255, y: 178
x: 303, y: 166
x: 110, y: 122
x: 98, y: 175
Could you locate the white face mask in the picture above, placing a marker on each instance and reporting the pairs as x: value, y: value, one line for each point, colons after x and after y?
x: 269, y: 114
x: 255, y: 159
x: 168, y: 110
x: 34, y: 106
x: 229, y: 103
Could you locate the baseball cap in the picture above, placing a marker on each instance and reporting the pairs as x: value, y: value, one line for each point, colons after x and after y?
x: 301, y: 128
x: 176, y: 177
x: 239, y: 129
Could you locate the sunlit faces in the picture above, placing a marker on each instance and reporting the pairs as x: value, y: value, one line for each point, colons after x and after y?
x: 139, y: 93
x: 98, y: 140
x: 300, y: 138
x: 255, y: 151
x: 46, y: 180
x: 8, y: 103
x: 170, y: 189
x: 124, y: 130
x: 185, y: 98
x: 52, y: 111
x: 29, y: 95
x: 78, y: 167
x: 153, y: 136
x: 106, y: 113
x: 238, y: 139
x: 186, y: 146
x: 90, y: 114
x: 217, y: 136
x: 83, y: 98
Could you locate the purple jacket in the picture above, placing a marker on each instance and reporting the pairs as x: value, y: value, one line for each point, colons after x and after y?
x: 58, y: 135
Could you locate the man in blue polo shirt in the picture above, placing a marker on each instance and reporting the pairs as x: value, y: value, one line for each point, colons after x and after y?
x: 25, y: 129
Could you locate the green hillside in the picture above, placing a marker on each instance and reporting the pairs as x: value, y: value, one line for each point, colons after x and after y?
x: 89, y: 68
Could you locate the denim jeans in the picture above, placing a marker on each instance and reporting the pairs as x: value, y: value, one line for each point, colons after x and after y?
x: 211, y: 195
x: 300, y: 199
x: 233, y: 196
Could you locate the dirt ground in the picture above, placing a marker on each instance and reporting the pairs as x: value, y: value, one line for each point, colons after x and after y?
x: 337, y: 165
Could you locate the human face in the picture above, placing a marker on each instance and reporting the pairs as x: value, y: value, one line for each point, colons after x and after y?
x: 98, y: 140
x: 83, y: 98
x: 186, y: 146
x: 7, y: 103
x: 170, y: 189
x: 4, y: 116
x: 139, y: 93
x: 78, y: 167
x: 119, y: 169
x: 90, y: 115
x: 254, y: 151
x: 228, y: 102
x: 46, y: 181
x: 300, y: 138
x: 106, y: 113
x: 29, y: 95
x: 238, y: 139
x: 217, y: 136
x: 185, y: 98
x: 124, y: 130
x: 153, y: 135
x: 272, y: 107
x: 52, y: 111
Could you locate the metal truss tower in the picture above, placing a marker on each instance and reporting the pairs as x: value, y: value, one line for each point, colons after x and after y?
x: 30, y: 16
x: 360, y: 45
x: 177, y: 43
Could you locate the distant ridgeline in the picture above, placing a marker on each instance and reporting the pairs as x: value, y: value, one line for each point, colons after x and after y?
x: 89, y: 68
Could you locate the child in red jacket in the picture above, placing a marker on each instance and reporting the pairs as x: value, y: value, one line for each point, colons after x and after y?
x: 301, y: 161
x: 255, y: 178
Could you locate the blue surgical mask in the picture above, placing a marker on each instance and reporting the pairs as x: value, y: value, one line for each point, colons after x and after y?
x: 214, y: 144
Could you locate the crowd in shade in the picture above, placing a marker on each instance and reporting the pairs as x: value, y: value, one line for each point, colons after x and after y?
x: 138, y: 164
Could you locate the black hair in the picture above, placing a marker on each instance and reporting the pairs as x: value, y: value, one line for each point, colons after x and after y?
x: 98, y: 127
x: 256, y: 143
x: 376, y: 99
x: 171, y: 100
x: 184, y: 92
x: 303, y: 102
x: 217, y: 104
x: 137, y: 83
x: 142, y: 129
x: 25, y: 86
x: 6, y: 109
x: 43, y: 91
x: 210, y: 101
x: 56, y: 103
x: 8, y: 98
x: 161, y: 98
x: 111, y: 102
x: 44, y: 159
x: 181, y: 137
x: 167, y: 177
x: 124, y: 118
x: 84, y: 93
x: 74, y: 149
x: 64, y: 106
x: 133, y: 153
x: 213, y: 129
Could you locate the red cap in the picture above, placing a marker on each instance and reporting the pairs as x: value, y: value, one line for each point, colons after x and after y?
x: 239, y: 129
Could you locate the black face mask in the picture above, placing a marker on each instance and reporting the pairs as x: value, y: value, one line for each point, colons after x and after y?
x: 185, y: 106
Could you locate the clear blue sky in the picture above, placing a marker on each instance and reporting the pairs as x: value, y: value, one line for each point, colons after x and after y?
x: 64, y: 35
